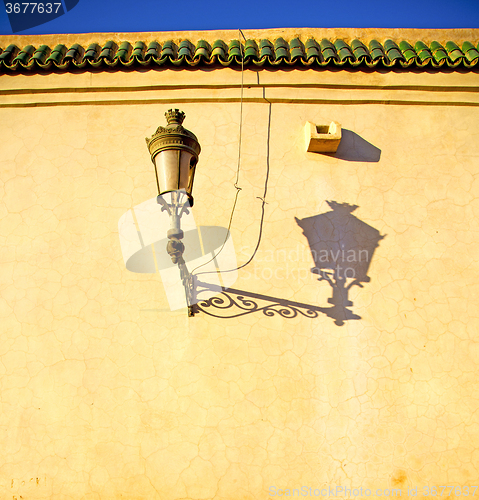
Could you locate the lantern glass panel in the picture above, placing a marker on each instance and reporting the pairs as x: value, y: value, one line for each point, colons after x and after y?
x: 173, y: 169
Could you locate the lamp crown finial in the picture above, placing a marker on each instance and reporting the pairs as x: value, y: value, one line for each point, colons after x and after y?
x: 342, y: 207
x: 175, y: 116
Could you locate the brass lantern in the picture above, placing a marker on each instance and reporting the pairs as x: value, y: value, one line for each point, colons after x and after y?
x: 174, y: 153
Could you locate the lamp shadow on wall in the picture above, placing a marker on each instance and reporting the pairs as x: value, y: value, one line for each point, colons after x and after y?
x: 354, y: 148
x: 342, y: 247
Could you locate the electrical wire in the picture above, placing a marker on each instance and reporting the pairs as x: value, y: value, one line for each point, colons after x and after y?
x: 238, y: 189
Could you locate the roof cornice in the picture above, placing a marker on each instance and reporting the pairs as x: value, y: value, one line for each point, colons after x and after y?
x: 278, y: 48
x: 347, y: 34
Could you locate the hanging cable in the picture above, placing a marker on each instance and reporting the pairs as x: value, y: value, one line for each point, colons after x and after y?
x: 238, y: 189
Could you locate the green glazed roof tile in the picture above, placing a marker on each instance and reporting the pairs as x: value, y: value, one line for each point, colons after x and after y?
x: 276, y: 53
x: 57, y: 54
x: 281, y: 49
x: 74, y: 53
x: 438, y: 52
x: 312, y: 49
x: 296, y: 49
x: 389, y: 45
x: 138, y: 50
x: 153, y: 50
x: 250, y: 49
x: 360, y: 51
x: 108, y: 51
x: 453, y: 51
x: 9, y: 53
x: 234, y: 50
x: 423, y: 52
x: 328, y: 50
x: 470, y: 51
x: 40, y: 55
x: 376, y: 50
x: 266, y: 49
x: 408, y: 52
x: 24, y: 55
x: 92, y: 51
x: 123, y: 52
x: 220, y: 49
x: 393, y: 51
x: 169, y: 50
x: 450, y: 46
x: 203, y: 50
x: 186, y: 50
x: 344, y: 51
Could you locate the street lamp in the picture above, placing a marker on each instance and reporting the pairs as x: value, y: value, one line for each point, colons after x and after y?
x: 174, y: 153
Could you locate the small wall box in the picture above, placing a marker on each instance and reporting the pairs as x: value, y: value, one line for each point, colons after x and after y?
x: 322, y: 138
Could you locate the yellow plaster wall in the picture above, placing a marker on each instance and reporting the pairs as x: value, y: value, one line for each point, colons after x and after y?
x: 106, y: 394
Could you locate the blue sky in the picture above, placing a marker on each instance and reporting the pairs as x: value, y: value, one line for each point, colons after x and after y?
x: 157, y: 15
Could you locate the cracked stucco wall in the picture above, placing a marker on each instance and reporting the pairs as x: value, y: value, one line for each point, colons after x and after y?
x: 106, y: 394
